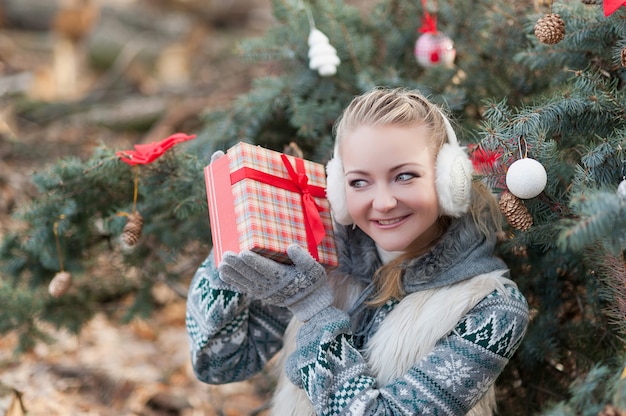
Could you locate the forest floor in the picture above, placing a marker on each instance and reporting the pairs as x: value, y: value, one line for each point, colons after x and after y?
x: 141, y: 368
x: 164, y: 63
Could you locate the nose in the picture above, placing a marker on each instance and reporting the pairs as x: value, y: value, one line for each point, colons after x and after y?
x: 384, y: 200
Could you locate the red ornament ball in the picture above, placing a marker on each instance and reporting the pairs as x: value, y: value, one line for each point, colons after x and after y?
x: 434, y: 49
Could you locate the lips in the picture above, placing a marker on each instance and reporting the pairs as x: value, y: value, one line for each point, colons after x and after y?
x: 391, y: 221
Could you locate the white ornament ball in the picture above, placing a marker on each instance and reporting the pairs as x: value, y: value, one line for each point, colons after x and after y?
x: 433, y: 49
x: 621, y: 189
x: 526, y: 178
x: 322, y: 55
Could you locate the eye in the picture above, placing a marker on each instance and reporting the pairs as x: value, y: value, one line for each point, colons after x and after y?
x: 406, y: 176
x: 357, y: 183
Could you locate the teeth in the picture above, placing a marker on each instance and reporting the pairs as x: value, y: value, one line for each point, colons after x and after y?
x: 388, y: 222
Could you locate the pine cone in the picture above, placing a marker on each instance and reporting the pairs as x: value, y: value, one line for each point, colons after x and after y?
x: 550, y: 29
x: 623, y: 56
x: 610, y: 410
x: 132, y: 229
x: 515, y: 212
x: 60, y: 284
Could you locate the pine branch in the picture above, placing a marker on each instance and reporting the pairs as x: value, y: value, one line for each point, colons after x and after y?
x: 602, y: 218
x: 611, y: 271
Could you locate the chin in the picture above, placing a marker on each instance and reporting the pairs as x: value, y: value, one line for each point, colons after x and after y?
x: 390, y: 245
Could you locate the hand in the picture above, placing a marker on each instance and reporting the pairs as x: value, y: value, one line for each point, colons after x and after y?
x: 302, y: 287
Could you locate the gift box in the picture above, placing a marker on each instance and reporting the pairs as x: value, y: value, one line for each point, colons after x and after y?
x: 263, y: 200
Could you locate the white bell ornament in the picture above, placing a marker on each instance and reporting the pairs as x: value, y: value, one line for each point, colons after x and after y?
x: 322, y: 55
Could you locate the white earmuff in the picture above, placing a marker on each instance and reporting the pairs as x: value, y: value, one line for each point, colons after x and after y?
x: 453, y: 181
x: 454, y: 176
x: 336, y: 190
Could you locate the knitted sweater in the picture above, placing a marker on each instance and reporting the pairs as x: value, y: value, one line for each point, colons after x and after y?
x: 232, y: 337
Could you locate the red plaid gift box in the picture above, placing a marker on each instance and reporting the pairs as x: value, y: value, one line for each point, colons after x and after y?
x: 263, y: 200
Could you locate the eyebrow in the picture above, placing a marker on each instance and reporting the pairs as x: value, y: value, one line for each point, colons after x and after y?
x: 393, y: 169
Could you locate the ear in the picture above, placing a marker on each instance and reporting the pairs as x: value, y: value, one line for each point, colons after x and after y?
x: 454, y: 180
x: 336, y: 191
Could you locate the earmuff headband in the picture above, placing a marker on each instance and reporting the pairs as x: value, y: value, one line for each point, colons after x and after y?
x: 453, y: 180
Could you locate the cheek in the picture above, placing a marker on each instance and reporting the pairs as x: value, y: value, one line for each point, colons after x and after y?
x: 428, y: 199
x: 356, y: 202
x: 423, y: 199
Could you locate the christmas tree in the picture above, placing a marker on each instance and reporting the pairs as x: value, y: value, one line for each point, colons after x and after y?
x: 519, y: 89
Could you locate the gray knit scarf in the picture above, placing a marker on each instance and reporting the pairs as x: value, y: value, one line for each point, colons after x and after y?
x: 461, y: 253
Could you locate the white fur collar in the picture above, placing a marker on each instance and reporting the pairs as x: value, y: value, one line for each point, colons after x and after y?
x: 393, y: 349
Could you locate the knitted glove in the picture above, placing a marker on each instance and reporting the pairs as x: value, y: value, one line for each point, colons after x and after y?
x: 216, y: 155
x: 302, y: 288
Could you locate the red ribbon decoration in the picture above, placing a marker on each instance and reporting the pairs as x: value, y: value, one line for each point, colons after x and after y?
x: 429, y: 22
x: 148, y: 153
x: 483, y: 160
x: 610, y: 6
x: 313, y: 224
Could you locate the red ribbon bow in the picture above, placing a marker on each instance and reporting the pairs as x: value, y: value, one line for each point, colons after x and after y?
x: 148, y: 153
x: 297, y: 182
x: 610, y: 6
x: 429, y: 22
x: 313, y: 221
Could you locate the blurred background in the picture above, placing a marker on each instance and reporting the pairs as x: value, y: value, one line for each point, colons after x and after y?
x: 76, y: 74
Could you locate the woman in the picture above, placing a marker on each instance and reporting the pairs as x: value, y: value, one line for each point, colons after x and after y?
x: 418, y: 318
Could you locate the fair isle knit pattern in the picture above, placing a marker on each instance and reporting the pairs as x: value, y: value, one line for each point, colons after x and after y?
x: 448, y: 381
x: 231, y: 337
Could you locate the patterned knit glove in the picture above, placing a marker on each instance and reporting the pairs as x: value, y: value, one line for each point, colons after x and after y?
x: 303, y: 287
x: 216, y: 155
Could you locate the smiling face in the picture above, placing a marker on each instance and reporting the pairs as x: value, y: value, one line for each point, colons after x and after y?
x: 390, y: 184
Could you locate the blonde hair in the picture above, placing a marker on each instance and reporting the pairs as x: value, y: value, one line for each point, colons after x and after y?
x: 403, y: 107
x: 398, y: 107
